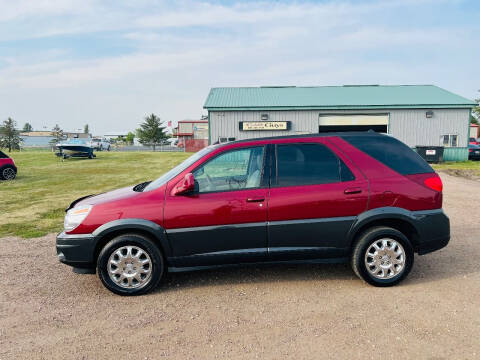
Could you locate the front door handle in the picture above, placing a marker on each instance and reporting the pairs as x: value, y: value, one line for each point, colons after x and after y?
x: 352, y: 191
x: 257, y: 199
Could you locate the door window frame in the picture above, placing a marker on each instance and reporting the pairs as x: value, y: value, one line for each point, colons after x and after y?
x: 265, y: 175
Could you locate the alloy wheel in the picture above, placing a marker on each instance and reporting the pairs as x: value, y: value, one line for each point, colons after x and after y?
x: 130, y: 267
x: 8, y: 173
x: 385, y: 258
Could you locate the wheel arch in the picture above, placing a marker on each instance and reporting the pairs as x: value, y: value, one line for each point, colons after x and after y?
x: 8, y: 165
x: 396, y: 218
x: 146, y: 228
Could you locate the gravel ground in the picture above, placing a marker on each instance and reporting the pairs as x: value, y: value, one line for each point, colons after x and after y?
x: 273, y: 312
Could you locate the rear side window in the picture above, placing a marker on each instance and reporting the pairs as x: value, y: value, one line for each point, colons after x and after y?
x: 3, y: 155
x: 391, y: 152
x: 309, y: 164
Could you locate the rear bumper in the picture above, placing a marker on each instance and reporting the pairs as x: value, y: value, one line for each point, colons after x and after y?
x: 76, y: 250
x: 434, y: 230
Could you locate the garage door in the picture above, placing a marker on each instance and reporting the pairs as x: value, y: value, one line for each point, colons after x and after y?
x: 329, y: 123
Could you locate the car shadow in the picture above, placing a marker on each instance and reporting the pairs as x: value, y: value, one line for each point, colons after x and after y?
x: 447, y: 263
x: 257, y: 273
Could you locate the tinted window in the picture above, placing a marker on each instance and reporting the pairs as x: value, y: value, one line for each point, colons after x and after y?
x: 391, y: 152
x: 3, y: 155
x: 232, y: 170
x: 309, y: 164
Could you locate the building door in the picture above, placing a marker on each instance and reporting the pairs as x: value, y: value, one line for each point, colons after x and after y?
x: 333, y: 123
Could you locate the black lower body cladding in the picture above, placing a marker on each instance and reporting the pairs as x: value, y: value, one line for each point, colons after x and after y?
x: 433, y: 228
x: 76, y: 250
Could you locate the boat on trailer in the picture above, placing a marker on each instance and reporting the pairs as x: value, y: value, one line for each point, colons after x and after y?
x: 75, y: 147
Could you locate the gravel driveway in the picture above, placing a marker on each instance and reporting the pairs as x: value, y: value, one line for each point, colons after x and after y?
x: 273, y: 312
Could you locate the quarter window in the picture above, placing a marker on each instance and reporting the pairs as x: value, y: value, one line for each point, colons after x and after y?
x: 232, y: 170
x: 390, y: 152
x: 309, y: 164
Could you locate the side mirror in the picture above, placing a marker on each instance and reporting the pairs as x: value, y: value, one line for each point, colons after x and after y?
x: 185, y: 186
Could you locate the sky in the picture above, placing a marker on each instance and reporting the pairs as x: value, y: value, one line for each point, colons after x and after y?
x: 110, y: 63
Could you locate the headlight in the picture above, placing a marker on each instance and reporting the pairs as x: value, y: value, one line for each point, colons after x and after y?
x: 75, y: 216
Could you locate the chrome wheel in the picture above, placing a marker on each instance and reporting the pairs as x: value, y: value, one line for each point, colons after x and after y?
x: 8, y: 173
x: 130, y: 267
x: 385, y: 258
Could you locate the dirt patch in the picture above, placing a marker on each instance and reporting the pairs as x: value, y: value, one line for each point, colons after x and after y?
x: 268, y: 312
x: 465, y: 173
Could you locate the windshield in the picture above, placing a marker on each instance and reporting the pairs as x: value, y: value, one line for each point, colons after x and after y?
x: 179, y: 168
x: 76, y: 141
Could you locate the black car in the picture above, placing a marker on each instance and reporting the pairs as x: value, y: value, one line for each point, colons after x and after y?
x: 473, y: 152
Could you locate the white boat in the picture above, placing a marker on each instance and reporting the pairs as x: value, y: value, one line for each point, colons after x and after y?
x: 75, y: 147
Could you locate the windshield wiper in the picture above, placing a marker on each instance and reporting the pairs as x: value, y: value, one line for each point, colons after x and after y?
x: 141, y: 186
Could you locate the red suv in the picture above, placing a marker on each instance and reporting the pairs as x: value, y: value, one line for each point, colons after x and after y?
x: 360, y: 197
x: 8, y: 170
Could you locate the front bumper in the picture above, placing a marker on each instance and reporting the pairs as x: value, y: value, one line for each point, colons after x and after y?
x: 76, y: 250
x: 434, y: 230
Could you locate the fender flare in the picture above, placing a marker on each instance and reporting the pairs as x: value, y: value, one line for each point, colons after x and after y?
x: 387, y: 213
x: 154, y: 230
x: 8, y: 165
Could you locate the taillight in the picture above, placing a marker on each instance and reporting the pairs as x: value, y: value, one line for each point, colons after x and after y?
x: 434, y: 183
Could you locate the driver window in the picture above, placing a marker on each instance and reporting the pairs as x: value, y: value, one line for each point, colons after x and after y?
x: 232, y: 170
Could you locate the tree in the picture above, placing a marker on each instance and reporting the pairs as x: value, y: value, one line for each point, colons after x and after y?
x: 9, y: 135
x: 129, y: 138
x: 27, y: 127
x: 85, y: 129
x: 151, y: 131
x: 475, y: 119
x: 57, y: 133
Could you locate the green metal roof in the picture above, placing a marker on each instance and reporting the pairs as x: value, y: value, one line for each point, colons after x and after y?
x: 334, y: 97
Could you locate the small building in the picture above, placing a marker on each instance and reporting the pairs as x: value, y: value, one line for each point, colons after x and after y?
x: 474, y: 131
x: 115, y: 135
x: 192, y: 134
x: 415, y: 114
x: 76, y: 135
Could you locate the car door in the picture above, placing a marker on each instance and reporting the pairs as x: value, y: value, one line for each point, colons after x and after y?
x: 224, y: 220
x: 315, y: 196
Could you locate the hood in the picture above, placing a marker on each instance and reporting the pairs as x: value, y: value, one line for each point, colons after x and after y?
x: 113, y: 195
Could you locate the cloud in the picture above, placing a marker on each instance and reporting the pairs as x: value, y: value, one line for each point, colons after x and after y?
x: 170, y: 53
x: 21, y: 9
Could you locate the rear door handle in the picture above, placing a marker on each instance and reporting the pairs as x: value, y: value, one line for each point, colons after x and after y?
x: 352, y: 191
x: 257, y: 199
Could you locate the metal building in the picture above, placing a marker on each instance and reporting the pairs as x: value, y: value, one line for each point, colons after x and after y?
x: 416, y: 114
x: 192, y: 134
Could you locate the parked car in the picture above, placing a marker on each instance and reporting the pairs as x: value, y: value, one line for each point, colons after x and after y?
x: 101, y: 144
x: 473, y: 141
x: 473, y: 152
x: 360, y: 197
x: 8, y: 169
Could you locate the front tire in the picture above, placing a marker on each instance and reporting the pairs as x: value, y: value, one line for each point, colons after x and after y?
x: 8, y: 172
x: 130, y: 264
x: 382, y: 256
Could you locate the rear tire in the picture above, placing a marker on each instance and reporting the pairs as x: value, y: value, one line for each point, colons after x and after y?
x: 130, y: 264
x: 8, y: 172
x: 382, y: 256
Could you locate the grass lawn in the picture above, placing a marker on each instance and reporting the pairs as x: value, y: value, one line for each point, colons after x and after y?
x: 34, y: 203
